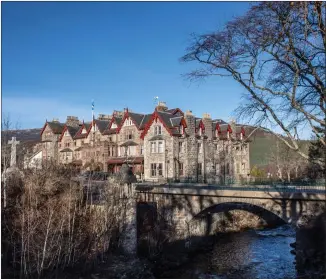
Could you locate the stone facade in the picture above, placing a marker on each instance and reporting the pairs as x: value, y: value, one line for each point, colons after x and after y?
x: 166, y: 144
x: 198, y: 152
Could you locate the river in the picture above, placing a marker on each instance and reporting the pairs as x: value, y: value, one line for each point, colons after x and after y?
x: 252, y: 254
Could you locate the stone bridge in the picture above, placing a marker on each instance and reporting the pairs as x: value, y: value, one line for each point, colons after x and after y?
x: 192, y: 209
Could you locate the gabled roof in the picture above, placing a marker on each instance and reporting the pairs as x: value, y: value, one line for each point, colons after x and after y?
x: 175, y: 111
x: 140, y: 120
x: 79, y: 134
x: 223, y: 128
x: 170, y: 122
x: 115, y: 119
x: 176, y: 121
x: 146, y: 118
x: 110, y: 131
x: 56, y: 127
x: 101, y: 124
x: 136, y: 117
x: 73, y: 131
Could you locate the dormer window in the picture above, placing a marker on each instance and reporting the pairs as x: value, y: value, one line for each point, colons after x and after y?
x: 128, y: 122
x: 158, y: 130
x: 113, y: 126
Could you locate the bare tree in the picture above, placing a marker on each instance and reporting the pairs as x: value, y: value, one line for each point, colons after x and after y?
x: 277, y: 52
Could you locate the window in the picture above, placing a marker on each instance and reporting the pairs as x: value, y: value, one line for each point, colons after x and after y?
x: 141, y: 149
x: 238, y: 168
x: 158, y: 130
x: 199, y: 168
x: 160, y: 147
x: 75, y: 143
x: 199, y: 147
x: 180, y: 168
x: 128, y: 122
x: 160, y: 169
x: 180, y: 147
x: 110, y: 138
x: 109, y: 151
x: 243, y: 165
x: 82, y: 142
x: 153, y: 147
x: 66, y: 133
x: 128, y: 135
x: 59, y: 145
x: 217, y: 169
x: 227, y: 168
x: 157, y: 169
x: 215, y: 146
x: 153, y: 169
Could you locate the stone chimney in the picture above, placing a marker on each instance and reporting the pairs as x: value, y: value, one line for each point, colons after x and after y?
x: 233, y: 127
x: 207, y: 120
x: 103, y: 117
x: 190, y: 120
x: 117, y: 113
x: 161, y: 106
x: 72, y: 121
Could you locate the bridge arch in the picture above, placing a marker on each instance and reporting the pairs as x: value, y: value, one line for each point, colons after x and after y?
x: 268, y: 216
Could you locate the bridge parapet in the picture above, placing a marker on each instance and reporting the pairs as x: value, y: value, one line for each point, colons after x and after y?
x: 295, y: 206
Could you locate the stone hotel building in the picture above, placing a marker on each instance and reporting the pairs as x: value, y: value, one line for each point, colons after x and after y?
x: 166, y: 144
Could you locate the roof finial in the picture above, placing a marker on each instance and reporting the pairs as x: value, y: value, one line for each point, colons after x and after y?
x: 156, y: 101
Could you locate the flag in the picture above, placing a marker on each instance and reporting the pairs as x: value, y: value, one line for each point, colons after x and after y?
x: 92, y: 104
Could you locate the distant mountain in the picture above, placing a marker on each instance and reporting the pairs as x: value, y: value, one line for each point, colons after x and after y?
x: 26, y: 135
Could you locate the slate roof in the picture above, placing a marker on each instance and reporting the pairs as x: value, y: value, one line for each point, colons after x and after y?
x: 56, y: 127
x: 145, y: 120
x: 80, y: 136
x: 73, y: 130
x: 176, y: 121
x: 129, y: 143
x: 136, y: 117
x: 118, y: 120
x: 66, y: 150
x: 102, y: 124
x: 169, y: 119
x: 218, y: 121
x: 224, y: 127
x: 173, y: 111
x: 110, y: 131
x: 80, y: 129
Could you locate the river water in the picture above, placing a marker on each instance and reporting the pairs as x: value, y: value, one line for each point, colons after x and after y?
x: 252, y: 254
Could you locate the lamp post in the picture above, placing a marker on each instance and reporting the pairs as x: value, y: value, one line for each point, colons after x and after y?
x: 166, y: 164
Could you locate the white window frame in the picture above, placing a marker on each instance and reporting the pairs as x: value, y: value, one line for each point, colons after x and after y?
x: 160, y: 147
x: 153, y: 147
x: 158, y: 130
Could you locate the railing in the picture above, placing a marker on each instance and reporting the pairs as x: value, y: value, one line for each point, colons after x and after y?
x: 316, y: 188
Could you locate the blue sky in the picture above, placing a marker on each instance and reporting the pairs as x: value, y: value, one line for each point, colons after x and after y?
x: 58, y: 56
